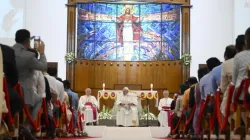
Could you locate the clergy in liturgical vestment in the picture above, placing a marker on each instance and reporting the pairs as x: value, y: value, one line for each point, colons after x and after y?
x: 127, y: 112
x: 164, y: 108
x: 88, y: 106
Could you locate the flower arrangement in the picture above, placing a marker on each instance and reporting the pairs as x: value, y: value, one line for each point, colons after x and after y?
x: 105, y: 113
x: 85, y: 134
x: 145, y: 114
x: 186, y: 59
x: 70, y: 57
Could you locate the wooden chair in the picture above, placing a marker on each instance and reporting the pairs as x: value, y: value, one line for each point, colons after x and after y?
x: 207, y: 133
x: 14, y: 120
x: 238, y: 131
x: 248, y: 111
x: 181, y: 128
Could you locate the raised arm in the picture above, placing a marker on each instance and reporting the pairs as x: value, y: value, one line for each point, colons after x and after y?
x: 38, y: 64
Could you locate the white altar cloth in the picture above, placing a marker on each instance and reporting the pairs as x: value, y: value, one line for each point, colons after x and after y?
x: 141, y: 94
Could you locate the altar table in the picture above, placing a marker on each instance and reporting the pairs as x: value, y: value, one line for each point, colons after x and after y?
x: 141, y: 94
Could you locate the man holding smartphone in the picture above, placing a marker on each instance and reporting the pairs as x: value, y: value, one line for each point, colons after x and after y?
x: 26, y: 64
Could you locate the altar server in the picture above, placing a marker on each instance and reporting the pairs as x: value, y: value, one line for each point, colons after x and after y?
x: 164, y: 108
x: 127, y: 112
x: 88, y: 106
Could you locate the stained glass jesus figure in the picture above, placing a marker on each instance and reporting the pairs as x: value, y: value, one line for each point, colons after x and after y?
x: 128, y: 32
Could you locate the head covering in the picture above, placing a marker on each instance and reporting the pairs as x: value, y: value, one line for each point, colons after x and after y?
x: 126, y: 88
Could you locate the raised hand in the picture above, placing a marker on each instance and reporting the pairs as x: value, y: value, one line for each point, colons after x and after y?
x: 41, y: 47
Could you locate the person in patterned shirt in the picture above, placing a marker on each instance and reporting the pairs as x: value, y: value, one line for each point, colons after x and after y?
x: 241, y: 61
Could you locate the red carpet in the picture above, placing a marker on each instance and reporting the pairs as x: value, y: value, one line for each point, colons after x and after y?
x: 72, y: 138
x: 169, y: 139
x: 172, y: 139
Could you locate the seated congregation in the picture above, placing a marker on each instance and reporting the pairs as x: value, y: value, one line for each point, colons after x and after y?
x: 37, y: 103
x: 216, y: 106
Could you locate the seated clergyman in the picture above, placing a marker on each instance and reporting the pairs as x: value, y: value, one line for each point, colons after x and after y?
x: 127, y: 112
x: 88, y: 106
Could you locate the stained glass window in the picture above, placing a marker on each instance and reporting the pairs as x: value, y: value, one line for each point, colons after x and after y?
x: 128, y: 32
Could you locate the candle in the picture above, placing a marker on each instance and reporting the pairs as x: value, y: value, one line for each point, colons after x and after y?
x: 103, y: 86
x: 151, y: 86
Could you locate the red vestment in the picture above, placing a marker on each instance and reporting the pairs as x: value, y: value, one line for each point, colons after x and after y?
x: 137, y: 30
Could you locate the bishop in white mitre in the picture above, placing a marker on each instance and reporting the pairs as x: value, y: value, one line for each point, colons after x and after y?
x: 127, y: 112
x: 88, y: 106
x: 164, y: 108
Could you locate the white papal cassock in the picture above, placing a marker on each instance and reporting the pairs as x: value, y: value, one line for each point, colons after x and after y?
x: 127, y: 115
x: 164, y: 106
x: 90, y: 111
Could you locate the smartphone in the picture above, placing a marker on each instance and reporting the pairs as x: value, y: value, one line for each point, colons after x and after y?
x: 37, y: 41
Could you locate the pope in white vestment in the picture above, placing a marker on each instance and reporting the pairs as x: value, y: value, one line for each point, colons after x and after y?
x: 164, y: 108
x: 88, y: 106
x: 127, y: 112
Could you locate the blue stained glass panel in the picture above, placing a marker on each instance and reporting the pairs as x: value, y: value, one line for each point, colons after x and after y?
x: 170, y: 7
x: 171, y: 32
x: 151, y: 31
x: 170, y: 52
x: 86, y: 49
x: 85, y: 30
x: 105, y: 12
x: 150, y: 50
x: 105, y: 50
x: 105, y: 31
x: 151, y: 14
x: 86, y: 11
x: 170, y: 12
x: 128, y: 32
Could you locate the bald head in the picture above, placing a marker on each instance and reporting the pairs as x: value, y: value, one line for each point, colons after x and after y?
x: 88, y: 91
x: 165, y: 93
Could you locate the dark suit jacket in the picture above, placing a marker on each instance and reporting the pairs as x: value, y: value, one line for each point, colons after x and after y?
x: 9, y: 65
x: 47, y: 90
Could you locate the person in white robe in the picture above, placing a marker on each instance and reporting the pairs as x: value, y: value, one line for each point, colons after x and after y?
x: 164, y: 108
x: 88, y: 106
x: 56, y: 86
x: 127, y: 112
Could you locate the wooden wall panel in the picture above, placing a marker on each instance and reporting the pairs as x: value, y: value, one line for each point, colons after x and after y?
x: 81, y: 72
x: 121, y: 75
x: 91, y: 72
